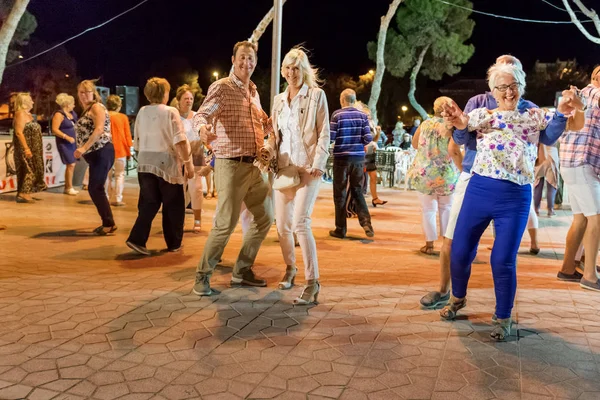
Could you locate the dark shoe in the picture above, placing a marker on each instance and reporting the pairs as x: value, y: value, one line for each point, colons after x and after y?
x: 378, y: 202
x: 248, y: 279
x: 101, y: 231
x: 176, y: 250
x: 24, y: 200
x: 137, y: 248
x: 585, y: 284
x: 534, y: 251
x: 434, y: 299
x: 337, y: 234
x: 369, y: 231
x: 574, y: 277
x: 202, y: 286
x: 427, y: 249
x: 551, y: 213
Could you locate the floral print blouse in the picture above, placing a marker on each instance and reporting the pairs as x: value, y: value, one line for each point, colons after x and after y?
x: 433, y: 171
x: 507, y: 143
x: 85, y: 127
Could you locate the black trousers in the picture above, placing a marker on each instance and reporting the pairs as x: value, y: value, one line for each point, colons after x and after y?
x: 155, y: 191
x: 348, y: 173
x: 101, y: 161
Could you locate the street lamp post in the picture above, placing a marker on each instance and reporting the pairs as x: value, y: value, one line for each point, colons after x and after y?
x: 276, y: 48
x: 216, y: 75
x: 404, y: 109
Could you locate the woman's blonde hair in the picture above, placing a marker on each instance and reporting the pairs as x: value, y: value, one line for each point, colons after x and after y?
x: 20, y: 100
x: 63, y: 99
x: 90, y: 86
x: 297, y: 57
x: 114, y: 102
x: 438, y: 104
x: 155, y: 89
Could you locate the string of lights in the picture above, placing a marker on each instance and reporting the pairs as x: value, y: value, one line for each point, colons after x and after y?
x: 78, y: 35
x: 537, y: 21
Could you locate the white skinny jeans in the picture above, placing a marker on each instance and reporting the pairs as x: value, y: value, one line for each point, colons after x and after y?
x: 293, y: 210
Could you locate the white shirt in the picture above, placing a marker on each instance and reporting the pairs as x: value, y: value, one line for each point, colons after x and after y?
x: 291, y: 149
x: 158, y: 129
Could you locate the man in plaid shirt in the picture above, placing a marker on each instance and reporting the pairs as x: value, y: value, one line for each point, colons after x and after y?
x: 580, y: 169
x: 232, y: 109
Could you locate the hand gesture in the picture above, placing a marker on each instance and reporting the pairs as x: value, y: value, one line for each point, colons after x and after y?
x: 454, y: 116
x: 188, y: 167
x: 316, y: 173
x: 265, y: 155
x: 206, y: 134
x: 79, y: 152
x: 28, y: 153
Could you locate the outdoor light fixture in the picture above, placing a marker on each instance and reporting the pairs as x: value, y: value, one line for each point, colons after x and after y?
x: 20, y: 56
x: 404, y: 108
x: 371, y: 72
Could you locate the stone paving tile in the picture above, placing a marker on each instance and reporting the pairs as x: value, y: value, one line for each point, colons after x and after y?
x: 84, y: 318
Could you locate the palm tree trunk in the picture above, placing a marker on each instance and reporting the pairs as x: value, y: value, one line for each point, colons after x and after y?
x: 376, y: 87
x: 413, y: 84
x: 7, y: 31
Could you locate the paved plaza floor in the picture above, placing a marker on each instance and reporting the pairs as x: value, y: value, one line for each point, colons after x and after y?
x: 82, y: 317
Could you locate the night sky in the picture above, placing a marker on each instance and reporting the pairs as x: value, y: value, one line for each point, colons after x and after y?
x: 335, y: 31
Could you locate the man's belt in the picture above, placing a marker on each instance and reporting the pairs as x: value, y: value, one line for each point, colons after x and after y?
x: 244, y: 159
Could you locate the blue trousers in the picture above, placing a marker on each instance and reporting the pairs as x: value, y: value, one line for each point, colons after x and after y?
x: 507, y: 204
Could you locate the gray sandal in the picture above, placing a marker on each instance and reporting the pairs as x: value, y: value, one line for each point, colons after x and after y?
x: 434, y: 299
x: 501, y: 330
x: 450, y: 310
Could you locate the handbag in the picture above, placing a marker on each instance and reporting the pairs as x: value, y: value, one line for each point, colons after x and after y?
x: 286, y: 178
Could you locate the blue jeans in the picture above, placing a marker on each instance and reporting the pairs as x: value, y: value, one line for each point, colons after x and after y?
x: 507, y: 204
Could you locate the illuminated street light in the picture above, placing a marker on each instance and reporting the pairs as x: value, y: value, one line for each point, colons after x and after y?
x: 66, y: 75
x: 371, y: 72
x: 216, y: 75
x: 20, y: 56
x: 404, y: 108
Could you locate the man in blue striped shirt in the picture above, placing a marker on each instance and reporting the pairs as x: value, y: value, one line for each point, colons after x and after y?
x: 350, y: 133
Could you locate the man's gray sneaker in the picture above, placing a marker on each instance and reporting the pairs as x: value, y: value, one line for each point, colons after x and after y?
x: 202, y: 286
x: 574, y: 277
x: 247, y: 278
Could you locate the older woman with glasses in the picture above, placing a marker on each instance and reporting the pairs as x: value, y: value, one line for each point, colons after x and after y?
x: 500, y: 188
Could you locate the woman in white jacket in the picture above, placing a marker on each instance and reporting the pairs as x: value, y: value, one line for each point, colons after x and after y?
x: 300, y: 144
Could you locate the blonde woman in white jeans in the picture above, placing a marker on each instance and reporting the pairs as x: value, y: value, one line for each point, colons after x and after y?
x: 301, y: 139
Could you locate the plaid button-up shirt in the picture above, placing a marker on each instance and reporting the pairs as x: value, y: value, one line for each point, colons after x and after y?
x: 583, y: 147
x: 238, y: 119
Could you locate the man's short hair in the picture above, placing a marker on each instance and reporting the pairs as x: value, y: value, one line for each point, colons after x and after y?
x: 349, y: 96
x: 247, y: 44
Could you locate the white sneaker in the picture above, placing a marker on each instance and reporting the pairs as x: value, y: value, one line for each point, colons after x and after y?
x: 71, y: 192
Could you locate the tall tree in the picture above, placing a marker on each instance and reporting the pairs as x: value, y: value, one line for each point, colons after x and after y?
x: 428, y: 39
x: 380, y: 59
x: 588, y: 12
x: 7, y: 31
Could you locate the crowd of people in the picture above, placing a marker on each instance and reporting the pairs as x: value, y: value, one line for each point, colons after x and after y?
x: 268, y: 167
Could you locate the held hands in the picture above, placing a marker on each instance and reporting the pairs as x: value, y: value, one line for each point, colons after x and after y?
x: 569, y: 102
x: 79, y: 152
x: 316, y: 173
x: 206, y: 134
x: 188, y: 168
x: 264, y: 155
x: 454, y: 116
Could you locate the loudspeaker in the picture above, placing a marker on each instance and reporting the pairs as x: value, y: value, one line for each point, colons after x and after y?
x: 104, y: 93
x: 131, y: 99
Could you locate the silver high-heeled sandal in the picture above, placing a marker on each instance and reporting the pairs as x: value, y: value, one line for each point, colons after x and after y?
x: 501, y: 329
x: 310, y: 294
x: 288, y: 279
x: 451, y: 309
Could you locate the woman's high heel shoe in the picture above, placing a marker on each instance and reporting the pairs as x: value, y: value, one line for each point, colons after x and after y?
x: 502, y: 329
x: 288, y: 279
x: 378, y: 202
x: 451, y: 309
x: 310, y: 294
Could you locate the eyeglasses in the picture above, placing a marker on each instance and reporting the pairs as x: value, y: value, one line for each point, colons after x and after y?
x: 503, y: 88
